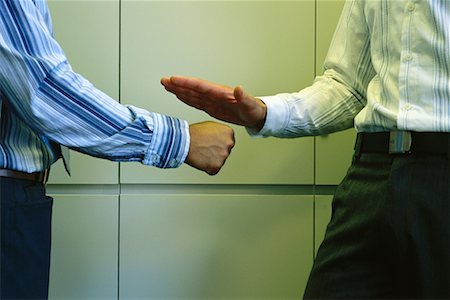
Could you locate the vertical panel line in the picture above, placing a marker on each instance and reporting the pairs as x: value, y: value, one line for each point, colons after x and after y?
x: 119, y: 166
x: 315, y: 138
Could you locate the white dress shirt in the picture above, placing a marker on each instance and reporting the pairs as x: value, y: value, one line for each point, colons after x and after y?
x: 388, y: 68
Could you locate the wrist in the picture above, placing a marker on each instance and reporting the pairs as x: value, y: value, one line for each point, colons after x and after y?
x: 261, y: 115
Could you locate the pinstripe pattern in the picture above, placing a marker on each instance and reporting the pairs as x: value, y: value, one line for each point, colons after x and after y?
x: 388, y: 68
x: 46, y: 104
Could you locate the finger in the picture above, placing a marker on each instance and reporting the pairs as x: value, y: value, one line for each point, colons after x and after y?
x: 196, y: 100
x: 189, y: 82
x: 174, y: 86
x: 217, y: 96
x: 164, y: 80
x: 183, y: 91
x: 206, y: 88
x: 191, y: 101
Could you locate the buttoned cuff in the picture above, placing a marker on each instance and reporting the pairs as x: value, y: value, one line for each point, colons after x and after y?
x: 170, y: 142
x: 277, y: 117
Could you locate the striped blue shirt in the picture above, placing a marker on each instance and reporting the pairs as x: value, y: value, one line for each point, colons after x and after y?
x: 388, y: 68
x: 45, y: 104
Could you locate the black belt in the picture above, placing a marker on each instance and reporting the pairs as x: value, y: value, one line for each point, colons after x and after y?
x: 403, y: 142
x: 41, y: 177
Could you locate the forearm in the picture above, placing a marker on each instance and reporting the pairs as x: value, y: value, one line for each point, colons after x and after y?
x: 65, y: 108
x: 326, y: 106
x: 72, y: 112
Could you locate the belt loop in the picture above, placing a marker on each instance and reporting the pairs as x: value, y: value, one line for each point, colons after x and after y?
x: 46, y: 175
x: 358, y: 145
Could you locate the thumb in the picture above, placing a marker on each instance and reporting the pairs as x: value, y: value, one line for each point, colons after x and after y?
x: 241, y: 95
x: 253, y: 110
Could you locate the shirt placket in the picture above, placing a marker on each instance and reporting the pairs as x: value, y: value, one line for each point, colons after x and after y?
x: 406, y: 65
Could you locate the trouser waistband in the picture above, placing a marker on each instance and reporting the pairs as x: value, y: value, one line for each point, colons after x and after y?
x: 403, y: 142
x: 41, y: 177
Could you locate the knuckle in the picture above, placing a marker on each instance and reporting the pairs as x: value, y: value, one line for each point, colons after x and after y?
x: 232, y: 144
x: 213, y: 171
x: 224, y: 155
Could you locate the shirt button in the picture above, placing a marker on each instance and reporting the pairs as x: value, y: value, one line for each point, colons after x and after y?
x: 411, y: 7
x: 408, y: 57
x: 173, y: 163
x: 407, y: 107
x: 155, y: 158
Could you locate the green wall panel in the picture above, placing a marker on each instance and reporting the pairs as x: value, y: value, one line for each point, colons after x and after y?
x: 84, y: 257
x: 215, y: 246
x: 322, y: 212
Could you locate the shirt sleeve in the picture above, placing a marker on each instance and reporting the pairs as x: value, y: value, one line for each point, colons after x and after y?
x: 40, y: 87
x: 335, y: 98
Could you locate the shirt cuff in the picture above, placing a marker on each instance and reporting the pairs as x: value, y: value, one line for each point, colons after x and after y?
x: 170, y: 142
x: 277, y: 117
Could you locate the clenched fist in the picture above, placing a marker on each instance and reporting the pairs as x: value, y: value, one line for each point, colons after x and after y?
x: 210, y: 146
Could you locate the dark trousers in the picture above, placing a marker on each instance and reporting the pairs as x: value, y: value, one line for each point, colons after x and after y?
x: 25, y: 239
x: 389, y: 232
